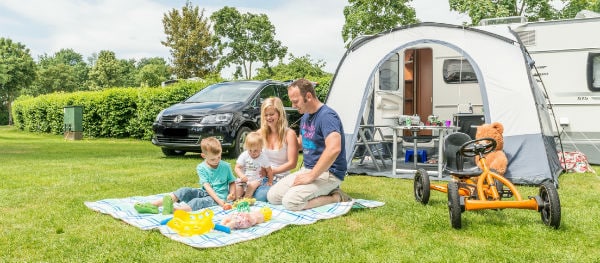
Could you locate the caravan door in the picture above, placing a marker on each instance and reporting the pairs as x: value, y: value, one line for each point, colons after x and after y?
x: 388, y: 97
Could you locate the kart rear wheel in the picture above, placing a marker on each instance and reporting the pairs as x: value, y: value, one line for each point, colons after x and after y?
x: 454, y: 208
x: 550, y: 209
x: 421, y: 186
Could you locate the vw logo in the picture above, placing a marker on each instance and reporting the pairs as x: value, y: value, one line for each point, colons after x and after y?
x: 178, y: 119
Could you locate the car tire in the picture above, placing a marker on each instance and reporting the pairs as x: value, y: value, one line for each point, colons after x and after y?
x: 238, y: 145
x: 170, y: 152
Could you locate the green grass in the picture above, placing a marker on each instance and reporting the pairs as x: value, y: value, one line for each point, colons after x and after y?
x: 45, y: 179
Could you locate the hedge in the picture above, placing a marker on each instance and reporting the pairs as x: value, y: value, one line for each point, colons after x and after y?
x: 113, y: 112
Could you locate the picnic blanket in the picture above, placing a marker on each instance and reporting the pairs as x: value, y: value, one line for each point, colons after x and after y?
x: 122, y: 208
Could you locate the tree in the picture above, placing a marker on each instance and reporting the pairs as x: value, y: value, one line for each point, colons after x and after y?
x: 65, y: 71
x: 365, y: 17
x: 246, y: 38
x: 106, y: 72
x: 574, y: 6
x: 17, y: 71
x: 190, y: 41
x: 534, y: 10
x: 298, y: 67
x: 152, y: 71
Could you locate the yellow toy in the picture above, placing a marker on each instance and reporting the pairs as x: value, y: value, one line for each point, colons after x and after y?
x: 187, y: 224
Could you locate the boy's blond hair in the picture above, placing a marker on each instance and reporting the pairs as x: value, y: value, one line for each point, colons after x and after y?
x: 211, y: 145
x: 253, y: 139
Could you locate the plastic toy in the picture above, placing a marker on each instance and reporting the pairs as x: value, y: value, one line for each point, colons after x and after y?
x: 472, y: 188
x: 187, y: 224
x: 249, y: 201
x: 240, y: 220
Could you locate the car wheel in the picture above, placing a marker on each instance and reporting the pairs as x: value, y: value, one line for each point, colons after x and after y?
x: 171, y: 152
x: 238, y: 146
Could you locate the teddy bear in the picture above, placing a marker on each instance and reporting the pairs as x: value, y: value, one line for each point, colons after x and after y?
x: 496, y: 160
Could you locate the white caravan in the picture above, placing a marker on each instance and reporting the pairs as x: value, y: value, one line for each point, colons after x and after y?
x: 567, y: 56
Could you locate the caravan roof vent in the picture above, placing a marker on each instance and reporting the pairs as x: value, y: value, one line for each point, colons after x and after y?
x: 503, y: 20
x: 527, y: 37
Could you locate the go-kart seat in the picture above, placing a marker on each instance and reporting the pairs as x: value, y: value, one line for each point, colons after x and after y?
x: 456, y: 164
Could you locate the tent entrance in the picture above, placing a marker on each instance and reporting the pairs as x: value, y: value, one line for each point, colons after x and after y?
x: 418, y: 84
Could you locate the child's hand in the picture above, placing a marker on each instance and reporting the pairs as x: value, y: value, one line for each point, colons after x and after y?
x: 243, y: 179
x: 231, y: 197
x: 270, y: 182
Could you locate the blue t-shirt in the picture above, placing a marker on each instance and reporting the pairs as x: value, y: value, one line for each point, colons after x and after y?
x: 314, y: 128
x: 218, y: 178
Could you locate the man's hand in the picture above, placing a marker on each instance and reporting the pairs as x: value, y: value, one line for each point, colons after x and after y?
x: 302, y: 179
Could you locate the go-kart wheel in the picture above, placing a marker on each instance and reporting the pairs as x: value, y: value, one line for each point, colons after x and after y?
x: 421, y: 186
x: 550, y: 209
x: 454, y: 208
x: 472, y: 148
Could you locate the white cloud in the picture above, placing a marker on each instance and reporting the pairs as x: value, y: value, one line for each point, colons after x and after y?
x: 133, y: 28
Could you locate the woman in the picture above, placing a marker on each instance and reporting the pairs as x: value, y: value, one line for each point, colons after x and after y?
x: 281, y: 144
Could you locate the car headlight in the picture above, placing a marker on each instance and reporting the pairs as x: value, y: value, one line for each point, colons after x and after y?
x: 159, y: 116
x: 222, y: 118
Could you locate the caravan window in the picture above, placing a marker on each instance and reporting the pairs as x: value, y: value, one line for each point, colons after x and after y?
x: 456, y: 71
x: 388, y: 74
x: 594, y: 71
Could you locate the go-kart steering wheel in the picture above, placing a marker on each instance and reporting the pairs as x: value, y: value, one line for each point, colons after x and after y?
x: 474, y: 147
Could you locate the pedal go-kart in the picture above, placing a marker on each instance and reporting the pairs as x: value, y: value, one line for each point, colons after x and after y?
x: 472, y: 188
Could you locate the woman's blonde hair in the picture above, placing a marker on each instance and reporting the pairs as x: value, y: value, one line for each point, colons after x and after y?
x: 282, y: 123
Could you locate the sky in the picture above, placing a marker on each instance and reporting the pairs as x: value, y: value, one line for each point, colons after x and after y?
x: 133, y: 28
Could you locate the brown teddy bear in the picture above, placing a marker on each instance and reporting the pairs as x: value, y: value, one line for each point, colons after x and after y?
x: 496, y: 160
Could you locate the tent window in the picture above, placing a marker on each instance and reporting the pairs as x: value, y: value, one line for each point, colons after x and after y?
x: 388, y: 74
x: 594, y: 71
x: 456, y: 71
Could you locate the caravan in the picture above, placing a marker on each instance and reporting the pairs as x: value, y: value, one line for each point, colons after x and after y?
x: 567, y: 58
x: 452, y: 73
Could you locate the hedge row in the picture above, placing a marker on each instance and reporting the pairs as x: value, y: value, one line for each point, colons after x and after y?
x: 114, y: 112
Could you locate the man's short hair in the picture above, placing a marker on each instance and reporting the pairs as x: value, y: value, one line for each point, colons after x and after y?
x: 305, y: 86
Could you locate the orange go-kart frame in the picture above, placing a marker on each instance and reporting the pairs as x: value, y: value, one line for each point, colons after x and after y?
x: 484, y: 189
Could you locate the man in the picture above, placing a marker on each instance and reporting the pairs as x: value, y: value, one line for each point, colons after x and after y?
x: 322, y: 140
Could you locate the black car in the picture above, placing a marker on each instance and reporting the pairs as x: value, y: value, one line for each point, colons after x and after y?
x: 226, y: 110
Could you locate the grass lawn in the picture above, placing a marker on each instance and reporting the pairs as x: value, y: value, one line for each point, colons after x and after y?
x: 44, y: 181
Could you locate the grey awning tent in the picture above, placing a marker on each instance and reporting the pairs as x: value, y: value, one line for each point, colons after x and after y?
x: 509, y: 92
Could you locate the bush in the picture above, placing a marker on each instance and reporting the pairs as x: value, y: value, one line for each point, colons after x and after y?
x: 114, y: 112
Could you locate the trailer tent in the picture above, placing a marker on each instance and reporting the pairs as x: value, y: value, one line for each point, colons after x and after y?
x: 509, y: 92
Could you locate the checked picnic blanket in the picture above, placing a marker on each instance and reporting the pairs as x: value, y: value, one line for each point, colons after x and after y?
x: 122, y: 208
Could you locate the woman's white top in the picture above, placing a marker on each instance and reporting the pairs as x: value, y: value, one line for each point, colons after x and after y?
x: 278, y: 158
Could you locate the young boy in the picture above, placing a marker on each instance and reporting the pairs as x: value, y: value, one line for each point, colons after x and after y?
x: 250, y: 165
x: 216, y: 181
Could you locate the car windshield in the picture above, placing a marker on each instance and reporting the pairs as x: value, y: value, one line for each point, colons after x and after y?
x: 224, y: 92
